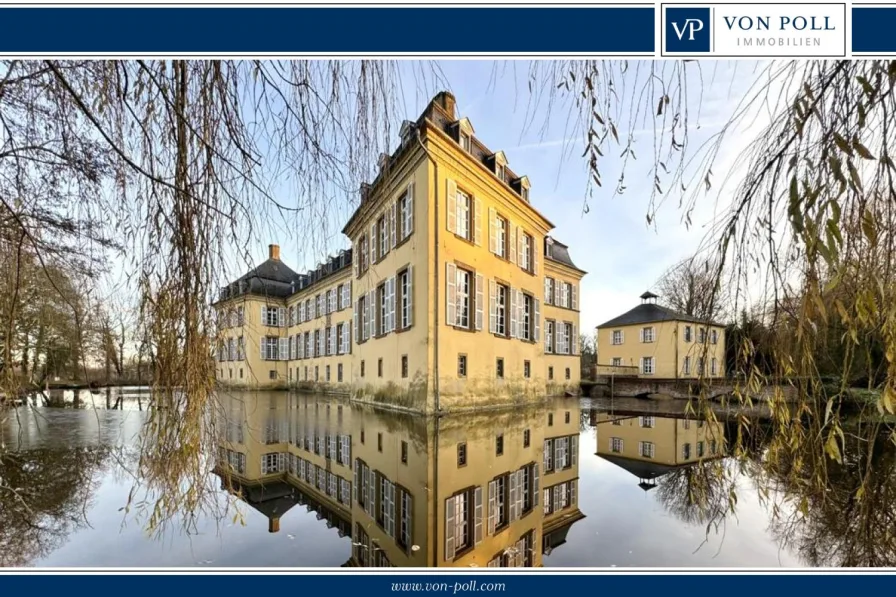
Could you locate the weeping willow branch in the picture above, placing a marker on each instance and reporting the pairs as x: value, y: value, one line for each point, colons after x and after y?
x: 175, y: 167
x: 805, y: 242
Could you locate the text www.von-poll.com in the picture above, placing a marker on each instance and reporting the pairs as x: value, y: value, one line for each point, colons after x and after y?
x: 470, y: 586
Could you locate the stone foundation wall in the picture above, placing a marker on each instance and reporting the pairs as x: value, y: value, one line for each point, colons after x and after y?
x: 682, y: 390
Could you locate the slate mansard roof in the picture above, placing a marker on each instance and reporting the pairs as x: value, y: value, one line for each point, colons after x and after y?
x: 651, y: 313
x: 556, y: 251
x: 273, y: 278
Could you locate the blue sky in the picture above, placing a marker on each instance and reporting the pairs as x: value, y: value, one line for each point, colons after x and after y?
x: 623, y: 255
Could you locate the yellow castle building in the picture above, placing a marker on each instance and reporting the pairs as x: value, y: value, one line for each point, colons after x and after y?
x: 653, y: 341
x: 462, y: 491
x: 650, y: 447
x: 453, y: 295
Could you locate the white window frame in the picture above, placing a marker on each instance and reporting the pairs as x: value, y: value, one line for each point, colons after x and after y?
x: 405, y: 286
x: 501, y: 293
x: 406, y: 519
x: 526, y: 251
x: 271, y: 463
x: 501, y: 237
x: 647, y: 449
x: 271, y: 348
x: 382, y: 233
x: 271, y: 317
x: 404, y: 204
x: 647, y: 366
x: 527, y: 321
x: 465, y: 141
x: 464, y: 290
x: 363, y: 252
x: 617, y: 338
x: 365, y: 317
x: 382, y: 299
x: 464, y: 206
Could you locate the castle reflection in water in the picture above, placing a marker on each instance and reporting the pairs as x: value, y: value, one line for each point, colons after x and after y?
x: 496, y: 489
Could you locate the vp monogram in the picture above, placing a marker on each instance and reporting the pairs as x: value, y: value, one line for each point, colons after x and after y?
x: 690, y: 27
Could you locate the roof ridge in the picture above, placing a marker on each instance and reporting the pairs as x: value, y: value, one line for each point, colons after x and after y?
x: 653, y: 312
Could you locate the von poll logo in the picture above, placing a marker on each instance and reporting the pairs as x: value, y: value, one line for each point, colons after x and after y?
x: 687, y: 30
x: 691, y: 27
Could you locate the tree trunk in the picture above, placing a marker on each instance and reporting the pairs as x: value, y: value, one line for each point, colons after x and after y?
x: 25, y: 360
x: 119, y: 364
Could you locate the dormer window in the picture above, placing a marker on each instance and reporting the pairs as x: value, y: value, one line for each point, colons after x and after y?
x: 465, y: 134
x: 524, y: 188
x: 501, y: 166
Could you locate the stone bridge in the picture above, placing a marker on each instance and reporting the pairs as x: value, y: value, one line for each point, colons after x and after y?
x: 639, y: 387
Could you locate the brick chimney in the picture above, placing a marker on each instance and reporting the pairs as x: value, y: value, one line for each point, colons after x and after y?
x: 274, y: 252
x: 446, y: 101
x: 274, y: 525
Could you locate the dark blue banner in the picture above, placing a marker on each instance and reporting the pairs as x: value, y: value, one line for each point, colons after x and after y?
x: 530, y: 582
x: 874, y: 29
x: 296, y: 30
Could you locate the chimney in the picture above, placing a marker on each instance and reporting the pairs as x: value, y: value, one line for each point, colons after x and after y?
x: 447, y: 101
x: 274, y: 252
x: 274, y: 525
x: 365, y: 191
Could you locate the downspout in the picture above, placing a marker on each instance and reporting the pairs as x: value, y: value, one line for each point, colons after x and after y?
x: 677, y: 325
x: 435, y: 301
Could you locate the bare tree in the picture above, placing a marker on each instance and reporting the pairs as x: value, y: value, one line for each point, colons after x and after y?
x: 691, y: 287
x: 812, y: 210
x: 588, y: 352
x: 174, y: 166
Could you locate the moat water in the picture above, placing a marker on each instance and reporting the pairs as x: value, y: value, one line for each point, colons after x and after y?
x: 620, y: 489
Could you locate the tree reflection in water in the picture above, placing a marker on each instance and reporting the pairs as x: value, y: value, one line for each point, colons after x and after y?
x: 826, y: 513
x: 46, y: 495
x: 829, y: 514
x: 698, y: 494
x: 850, y: 518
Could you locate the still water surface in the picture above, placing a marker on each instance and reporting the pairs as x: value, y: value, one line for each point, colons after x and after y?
x: 321, y: 482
